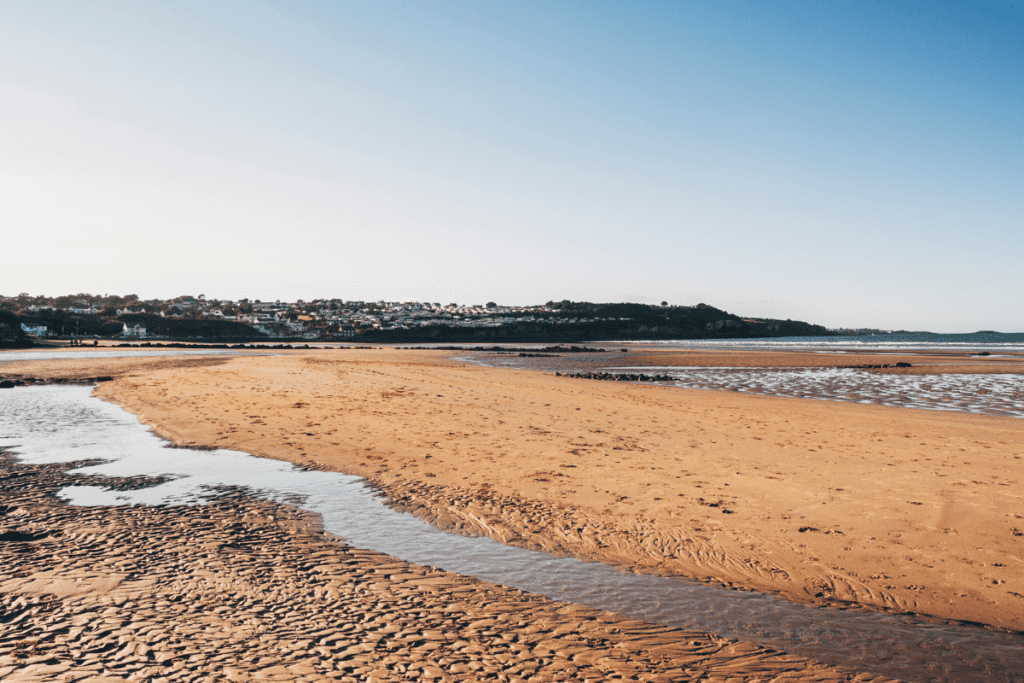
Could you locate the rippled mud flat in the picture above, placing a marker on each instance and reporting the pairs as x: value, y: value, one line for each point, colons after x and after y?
x: 243, y: 588
x: 246, y: 589
x: 986, y: 394
x: 233, y: 570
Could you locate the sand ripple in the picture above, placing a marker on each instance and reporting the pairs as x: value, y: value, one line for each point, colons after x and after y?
x: 241, y: 589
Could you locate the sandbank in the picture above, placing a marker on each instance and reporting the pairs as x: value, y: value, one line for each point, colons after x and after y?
x: 837, y: 504
x: 895, y: 509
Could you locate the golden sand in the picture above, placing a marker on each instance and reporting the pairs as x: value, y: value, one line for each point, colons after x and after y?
x: 823, y: 502
x: 897, y: 509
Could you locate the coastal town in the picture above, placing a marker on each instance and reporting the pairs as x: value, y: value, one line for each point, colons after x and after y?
x: 199, y: 318
x: 333, y: 319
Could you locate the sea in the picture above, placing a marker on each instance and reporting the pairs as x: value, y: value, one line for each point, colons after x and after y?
x: 991, y: 342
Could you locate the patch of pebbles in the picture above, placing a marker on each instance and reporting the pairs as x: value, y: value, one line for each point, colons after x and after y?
x: 986, y: 394
x: 244, y: 589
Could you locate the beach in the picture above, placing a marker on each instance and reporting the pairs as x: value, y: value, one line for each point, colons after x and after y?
x: 256, y: 591
x: 835, y: 504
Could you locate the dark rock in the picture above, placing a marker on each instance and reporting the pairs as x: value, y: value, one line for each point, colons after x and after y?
x: 6, y: 384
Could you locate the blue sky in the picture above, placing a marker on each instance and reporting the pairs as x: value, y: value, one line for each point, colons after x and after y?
x: 849, y: 164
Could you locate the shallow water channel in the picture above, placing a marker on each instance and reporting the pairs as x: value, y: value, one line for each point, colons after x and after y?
x: 48, y: 424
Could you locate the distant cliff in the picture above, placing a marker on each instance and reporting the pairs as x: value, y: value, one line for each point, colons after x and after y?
x: 620, y: 321
x: 560, y: 322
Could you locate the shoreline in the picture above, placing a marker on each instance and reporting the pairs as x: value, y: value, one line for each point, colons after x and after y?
x: 691, y: 542
x: 261, y: 593
x: 824, y: 564
x: 288, y: 407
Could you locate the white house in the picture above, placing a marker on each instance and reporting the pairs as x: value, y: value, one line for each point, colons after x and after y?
x: 34, y: 330
x: 136, y: 331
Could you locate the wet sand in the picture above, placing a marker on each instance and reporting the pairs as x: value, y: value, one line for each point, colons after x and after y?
x: 895, y: 509
x: 849, y: 505
x: 241, y: 589
x: 922, y: 362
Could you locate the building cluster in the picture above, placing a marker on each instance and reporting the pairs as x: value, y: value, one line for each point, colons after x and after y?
x: 320, y: 319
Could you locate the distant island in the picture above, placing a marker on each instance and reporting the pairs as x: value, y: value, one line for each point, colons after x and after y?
x: 24, y: 318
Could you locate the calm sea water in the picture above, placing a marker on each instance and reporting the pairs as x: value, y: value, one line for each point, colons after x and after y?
x: 978, y: 342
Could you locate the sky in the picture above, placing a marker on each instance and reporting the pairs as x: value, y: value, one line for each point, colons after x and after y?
x: 851, y: 164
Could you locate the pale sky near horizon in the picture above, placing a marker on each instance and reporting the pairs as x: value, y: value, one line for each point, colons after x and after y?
x: 848, y: 164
